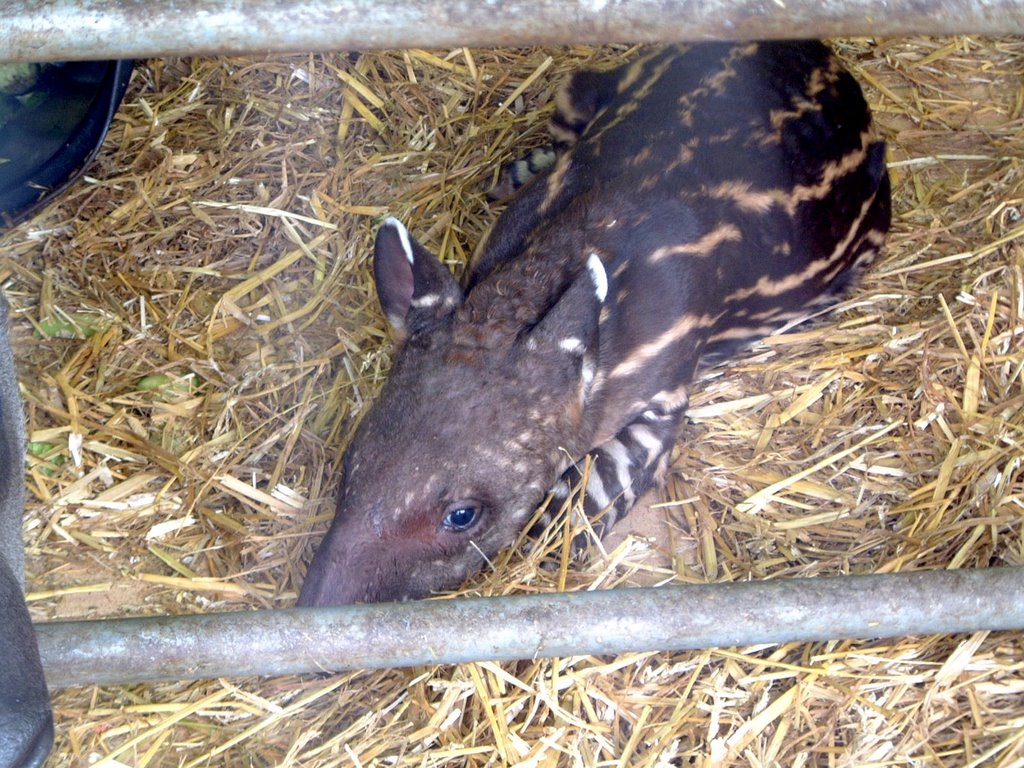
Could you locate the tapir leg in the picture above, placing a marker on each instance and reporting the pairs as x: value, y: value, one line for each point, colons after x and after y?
x: 26, y: 723
x: 576, y: 105
x: 622, y: 468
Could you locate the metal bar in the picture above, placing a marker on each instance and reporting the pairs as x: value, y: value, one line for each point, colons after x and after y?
x: 294, y: 641
x: 39, y: 30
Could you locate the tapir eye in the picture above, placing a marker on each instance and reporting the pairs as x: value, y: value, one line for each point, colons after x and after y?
x: 461, y: 516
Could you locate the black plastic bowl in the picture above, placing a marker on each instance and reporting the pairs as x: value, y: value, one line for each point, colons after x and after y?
x: 52, y: 131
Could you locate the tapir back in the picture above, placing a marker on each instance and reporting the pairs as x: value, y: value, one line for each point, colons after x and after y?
x: 726, y: 189
x: 698, y: 198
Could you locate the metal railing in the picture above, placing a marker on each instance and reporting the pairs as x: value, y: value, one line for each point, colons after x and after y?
x: 122, y: 651
x: 53, y: 30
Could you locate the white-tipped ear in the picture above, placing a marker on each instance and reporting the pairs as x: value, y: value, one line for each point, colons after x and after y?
x: 598, y: 275
x: 569, y: 328
x: 403, y: 235
x: 415, y: 289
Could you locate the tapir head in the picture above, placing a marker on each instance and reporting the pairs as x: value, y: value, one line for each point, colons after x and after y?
x: 483, y: 408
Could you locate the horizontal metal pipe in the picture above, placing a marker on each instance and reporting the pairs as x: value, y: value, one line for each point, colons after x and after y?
x: 124, y: 651
x: 38, y: 30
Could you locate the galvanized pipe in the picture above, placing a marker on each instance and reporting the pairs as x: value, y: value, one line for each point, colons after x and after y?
x: 38, y: 30
x: 124, y: 651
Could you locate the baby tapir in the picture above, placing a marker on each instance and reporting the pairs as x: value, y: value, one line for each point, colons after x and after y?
x: 698, y: 198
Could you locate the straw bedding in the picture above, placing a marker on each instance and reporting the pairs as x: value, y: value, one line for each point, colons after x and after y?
x: 196, y: 333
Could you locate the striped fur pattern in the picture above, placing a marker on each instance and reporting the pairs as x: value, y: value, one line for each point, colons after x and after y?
x: 692, y: 201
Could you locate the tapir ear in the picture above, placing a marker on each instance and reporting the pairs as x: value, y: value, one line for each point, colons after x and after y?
x: 570, y: 326
x: 415, y: 289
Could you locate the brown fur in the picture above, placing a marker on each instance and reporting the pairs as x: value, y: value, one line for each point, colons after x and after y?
x: 668, y: 231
